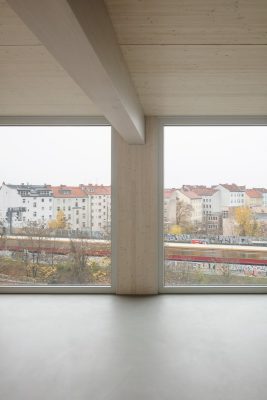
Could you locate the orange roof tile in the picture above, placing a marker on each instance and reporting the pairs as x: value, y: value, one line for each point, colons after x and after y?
x: 63, y: 191
x: 168, y: 193
x: 254, y: 193
x: 204, y: 191
x: 99, y: 190
x: 190, y: 194
x: 233, y: 187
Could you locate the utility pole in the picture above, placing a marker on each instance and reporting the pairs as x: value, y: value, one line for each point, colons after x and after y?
x: 9, y: 215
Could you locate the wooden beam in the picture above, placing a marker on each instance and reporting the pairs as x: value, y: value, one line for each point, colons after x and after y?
x: 136, y: 207
x: 80, y: 35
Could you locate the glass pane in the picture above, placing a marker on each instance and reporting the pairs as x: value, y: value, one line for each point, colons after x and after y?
x: 55, y: 206
x: 215, y: 205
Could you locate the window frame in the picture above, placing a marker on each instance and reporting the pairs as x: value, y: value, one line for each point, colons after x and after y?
x: 70, y: 289
x: 196, y: 121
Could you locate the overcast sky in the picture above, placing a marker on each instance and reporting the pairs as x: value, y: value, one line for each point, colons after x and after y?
x: 74, y: 155
x: 55, y: 155
x: 213, y: 155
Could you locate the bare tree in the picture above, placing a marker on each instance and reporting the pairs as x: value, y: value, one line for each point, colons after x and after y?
x: 79, y: 256
x: 183, y: 212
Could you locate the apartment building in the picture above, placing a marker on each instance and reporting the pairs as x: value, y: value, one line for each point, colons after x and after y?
x: 231, y: 195
x: 194, y: 200
x: 86, y: 207
x: 263, y: 191
x: 99, y: 207
x: 169, y: 208
x: 253, y: 198
x: 72, y: 200
x: 34, y: 201
x: 211, y: 209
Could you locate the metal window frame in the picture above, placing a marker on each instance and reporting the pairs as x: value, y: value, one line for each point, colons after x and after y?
x: 70, y: 289
x: 197, y: 121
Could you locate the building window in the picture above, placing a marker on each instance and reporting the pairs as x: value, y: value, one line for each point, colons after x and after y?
x: 228, y: 193
x: 86, y: 159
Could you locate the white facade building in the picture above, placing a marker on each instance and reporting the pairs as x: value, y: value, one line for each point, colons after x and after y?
x: 99, y: 207
x: 169, y: 208
x: 35, y: 199
x: 86, y: 207
x: 9, y: 197
x: 194, y: 200
x: 231, y: 196
x: 210, y: 200
x: 263, y: 191
x: 73, y: 201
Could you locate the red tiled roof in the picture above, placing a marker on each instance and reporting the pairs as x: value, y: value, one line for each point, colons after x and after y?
x: 193, y: 187
x: 168, y: 193
x: 262, y: 190
x: 63, y: 191
x: 254, y: 193
x: 205, y: 191
x: 233, y: 187
x: 99, y: 190
x: 190, y: 194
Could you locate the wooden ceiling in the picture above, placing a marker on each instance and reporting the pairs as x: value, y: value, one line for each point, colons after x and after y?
x: 185, y: 57
x: 31, y: 81
x: 195, y: 57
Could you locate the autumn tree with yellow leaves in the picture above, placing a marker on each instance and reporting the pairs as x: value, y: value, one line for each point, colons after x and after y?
x: 58, y: 223
x: 246, y: 224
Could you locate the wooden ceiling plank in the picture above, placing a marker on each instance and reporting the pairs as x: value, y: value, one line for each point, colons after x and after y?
x: 13, y: 32
x: 189, y: 22
x: 32, y: 83
x: 80, y: 36
x: 209, y: 80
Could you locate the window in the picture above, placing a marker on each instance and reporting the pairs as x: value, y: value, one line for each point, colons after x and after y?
x: 208, y: 168
x: 54, y: 246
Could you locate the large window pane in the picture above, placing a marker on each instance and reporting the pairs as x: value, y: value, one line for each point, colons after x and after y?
x: 215, y: 205
x: 55, y: 206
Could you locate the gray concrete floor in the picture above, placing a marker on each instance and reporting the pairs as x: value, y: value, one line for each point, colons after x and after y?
x: 77, y: 347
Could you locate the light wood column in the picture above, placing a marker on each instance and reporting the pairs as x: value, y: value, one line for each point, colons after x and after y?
x: 136, y: 212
